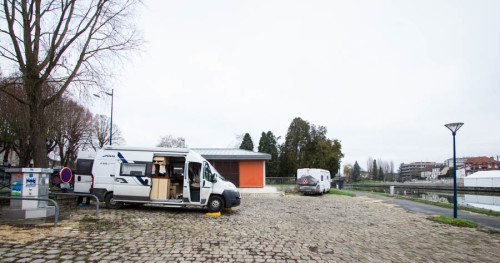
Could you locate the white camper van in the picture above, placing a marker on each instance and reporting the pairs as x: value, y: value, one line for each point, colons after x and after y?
x: 313, y: 181
x: 171, y: 177
x: 83, y: 172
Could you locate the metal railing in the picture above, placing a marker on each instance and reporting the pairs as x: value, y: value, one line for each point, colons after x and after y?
x: 281, y: 180
x: 56, y: 216
x: 87, y: 195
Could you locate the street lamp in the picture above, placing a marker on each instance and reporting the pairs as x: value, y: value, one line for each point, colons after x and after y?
x: 111, y: 125
x: 453, y: 127
x: 340, y: 182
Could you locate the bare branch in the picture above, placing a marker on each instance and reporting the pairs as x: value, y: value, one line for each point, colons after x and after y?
x: 11, y: 18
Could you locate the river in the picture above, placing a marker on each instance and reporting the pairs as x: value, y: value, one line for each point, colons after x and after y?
x: 488, y: 201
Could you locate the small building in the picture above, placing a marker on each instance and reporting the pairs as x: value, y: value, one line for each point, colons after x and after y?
x: 483, y: 179
x: 242, y: 167
x: 476, y: 164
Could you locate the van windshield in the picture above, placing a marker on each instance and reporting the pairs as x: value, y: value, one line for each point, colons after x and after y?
x: 217, y: 173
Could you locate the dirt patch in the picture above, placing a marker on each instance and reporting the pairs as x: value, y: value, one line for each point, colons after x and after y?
x: 27, y: 233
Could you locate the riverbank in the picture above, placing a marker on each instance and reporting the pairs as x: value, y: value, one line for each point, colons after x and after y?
x: 485, y: 220
x: 427, y: 185
x: 440, y: 204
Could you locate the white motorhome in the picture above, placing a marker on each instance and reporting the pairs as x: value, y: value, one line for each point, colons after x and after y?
x: 173, y: 177
x: 313, y: 181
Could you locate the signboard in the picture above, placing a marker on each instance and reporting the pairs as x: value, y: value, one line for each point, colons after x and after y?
x: 65, y: 175
x: 17, y: 184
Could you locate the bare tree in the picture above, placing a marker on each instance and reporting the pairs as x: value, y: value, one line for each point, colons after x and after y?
x: 60, y: 44
x: 348, y: 169
x: 369, y: 165
x: 13, y: 128
x: 170, y: 141
x: 99, y: 133
x: 71, y: 125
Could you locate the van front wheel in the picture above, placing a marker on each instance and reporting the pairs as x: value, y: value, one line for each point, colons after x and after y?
x: 215, y: 203
x: 111, y: 203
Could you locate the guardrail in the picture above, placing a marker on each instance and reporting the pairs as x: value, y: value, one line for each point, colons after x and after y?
x: 281, y: 180
x: 56, y: 216
x: 87, y: 195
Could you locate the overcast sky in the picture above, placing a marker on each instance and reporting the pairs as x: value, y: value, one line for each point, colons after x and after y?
x: 382, y: 76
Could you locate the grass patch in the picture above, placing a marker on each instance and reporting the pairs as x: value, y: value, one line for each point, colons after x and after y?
x: 340, y: 192
x: 445, y: 205
x: 454, y: 221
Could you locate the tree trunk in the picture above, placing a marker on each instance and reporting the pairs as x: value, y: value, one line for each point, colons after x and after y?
x: 37, y: 124
x: 6, y: 155
x: 38, y: 136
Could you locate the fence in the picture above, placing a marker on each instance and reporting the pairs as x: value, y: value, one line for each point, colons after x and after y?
x: 281, y: 180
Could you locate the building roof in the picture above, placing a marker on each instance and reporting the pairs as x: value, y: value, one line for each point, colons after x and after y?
x: 481, y: 160
x: 231, y: 154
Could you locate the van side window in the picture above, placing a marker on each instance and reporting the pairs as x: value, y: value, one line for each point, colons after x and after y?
x: 322, y: 178
x: 133, y: 169
x: 194, y: 171
x: 84, y: 166
x: 149, y: 166
x: 207, y: 173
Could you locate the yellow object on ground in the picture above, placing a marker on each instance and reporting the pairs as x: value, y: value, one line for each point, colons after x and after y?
x: 213, y: 214
x: 229, y: 208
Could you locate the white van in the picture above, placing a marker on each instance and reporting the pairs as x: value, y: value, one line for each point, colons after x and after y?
x: 173, y: 177
x: 313, y: 181
x: 83, y: 172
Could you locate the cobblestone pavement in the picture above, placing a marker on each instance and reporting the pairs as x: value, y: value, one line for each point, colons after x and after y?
x: 294, y: 228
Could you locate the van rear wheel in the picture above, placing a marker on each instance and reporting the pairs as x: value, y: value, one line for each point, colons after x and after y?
x: 215, y: 203
x: 111, y: 203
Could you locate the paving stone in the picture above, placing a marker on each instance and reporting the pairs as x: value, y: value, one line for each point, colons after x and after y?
x: 288, y: 229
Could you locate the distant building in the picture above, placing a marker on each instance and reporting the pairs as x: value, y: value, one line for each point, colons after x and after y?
x: 460, y: 162
x: 484, y: 163
x: 415, y: 170
x: 242, y: 167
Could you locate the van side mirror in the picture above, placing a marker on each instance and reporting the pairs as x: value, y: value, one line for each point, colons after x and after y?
x: 213, y: 178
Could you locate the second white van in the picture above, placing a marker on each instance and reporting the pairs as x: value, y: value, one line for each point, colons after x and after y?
x: 313, y: 181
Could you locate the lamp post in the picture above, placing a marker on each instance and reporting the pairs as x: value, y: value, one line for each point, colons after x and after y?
x: 340, y: 181
x: 453, y: 127
x: 111, y: 124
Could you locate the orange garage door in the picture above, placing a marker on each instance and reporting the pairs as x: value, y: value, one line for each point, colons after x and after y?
x: 252, y: 173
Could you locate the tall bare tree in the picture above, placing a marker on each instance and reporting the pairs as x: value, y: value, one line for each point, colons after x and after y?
x: 61, y: 44
x: 369, y: 165
x: 99, y: 133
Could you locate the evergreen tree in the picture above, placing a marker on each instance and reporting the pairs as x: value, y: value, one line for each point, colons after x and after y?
x: 381, y: 174
x: 356, y: 172
x: 247, y: 143
x: 268, y: 143
x: 375, y: 171
x: 307, y: 146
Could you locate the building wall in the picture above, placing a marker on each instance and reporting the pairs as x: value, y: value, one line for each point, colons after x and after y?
x: 252, y: 173
x: 241, y: 173
x: 230, y: 169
